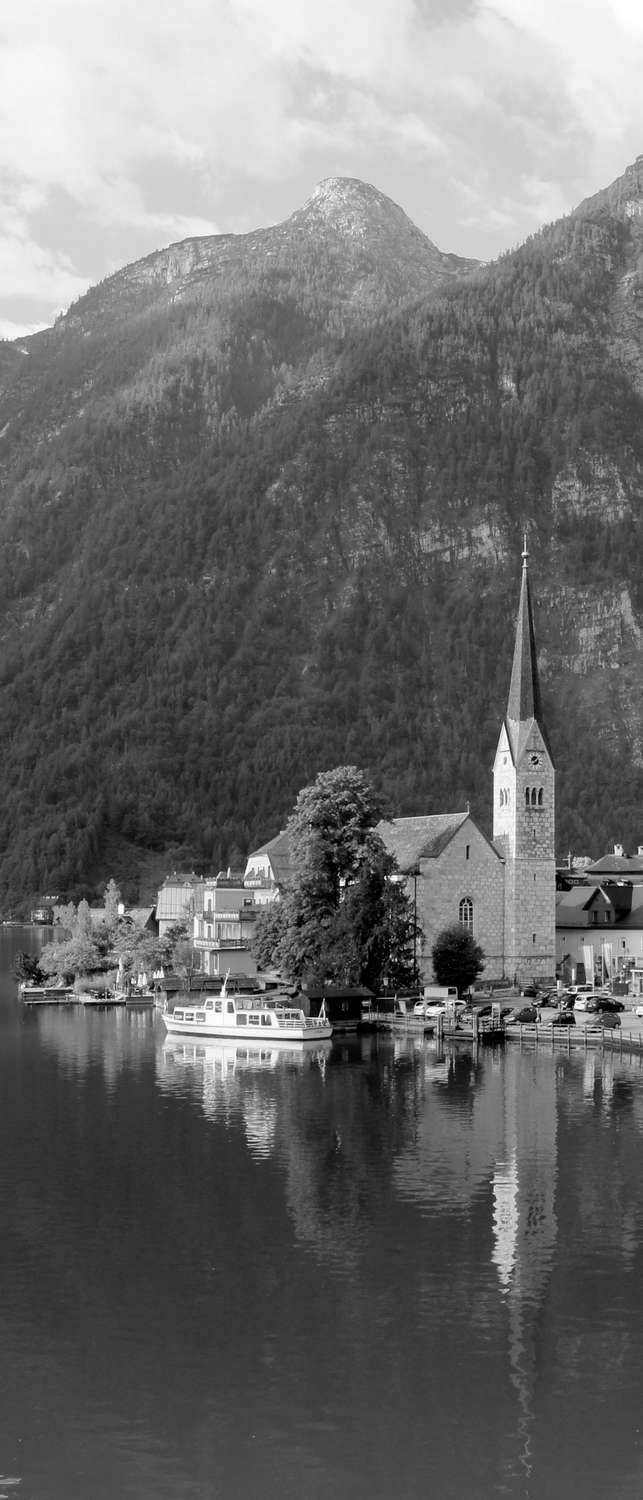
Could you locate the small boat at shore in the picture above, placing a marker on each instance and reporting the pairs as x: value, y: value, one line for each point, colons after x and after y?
x: 250, y: 1018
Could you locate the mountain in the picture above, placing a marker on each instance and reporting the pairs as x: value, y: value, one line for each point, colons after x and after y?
x: 261, y: 509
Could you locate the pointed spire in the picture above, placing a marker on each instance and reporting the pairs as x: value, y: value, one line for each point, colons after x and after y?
x: 524, y: 690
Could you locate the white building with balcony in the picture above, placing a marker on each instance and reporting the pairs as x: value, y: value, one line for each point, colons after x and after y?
x: 223, y: 931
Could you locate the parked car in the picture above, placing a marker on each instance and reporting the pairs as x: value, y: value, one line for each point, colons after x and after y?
x: 526, y: 1015
x: 564, y: 1018
x: 606, y: 1018
x: 584, y: 1000
x: 607, y: 1002
x: 529, y: 992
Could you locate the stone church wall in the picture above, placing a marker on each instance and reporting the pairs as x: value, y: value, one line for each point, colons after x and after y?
x: 468, y: 868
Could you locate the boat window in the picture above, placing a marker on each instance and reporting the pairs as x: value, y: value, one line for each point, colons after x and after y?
x: 265, y: 1020
x: 230, y: 1007
x: 242, y: 1019
x: 178, y: 1015
x: 254, y: 1020
x: 209, y: 1005
x: 218, y: 1006
x: 200, y: 1015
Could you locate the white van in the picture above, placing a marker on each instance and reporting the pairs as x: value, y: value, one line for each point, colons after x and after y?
x: 435, y: 992
x: 438, y: 999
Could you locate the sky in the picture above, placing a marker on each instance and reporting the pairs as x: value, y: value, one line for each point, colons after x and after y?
x: 126, y: 125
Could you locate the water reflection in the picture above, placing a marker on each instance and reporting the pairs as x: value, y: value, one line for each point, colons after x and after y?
x: 227, y: 1076
x: 80, y: 1037
x: 413, y: 1269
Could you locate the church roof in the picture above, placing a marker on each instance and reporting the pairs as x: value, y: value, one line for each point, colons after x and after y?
x: 524, y: 706
x: 413, y: 839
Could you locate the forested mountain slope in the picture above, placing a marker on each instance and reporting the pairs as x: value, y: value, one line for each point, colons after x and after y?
x: 261, y: 510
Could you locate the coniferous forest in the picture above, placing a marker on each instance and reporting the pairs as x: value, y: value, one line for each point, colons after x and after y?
x: 262, y: 502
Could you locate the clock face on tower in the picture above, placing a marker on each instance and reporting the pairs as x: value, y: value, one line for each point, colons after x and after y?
x: 534, y: 760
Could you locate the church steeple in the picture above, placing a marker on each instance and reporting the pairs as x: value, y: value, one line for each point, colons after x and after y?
x: 524, y: 706
x: 524, y: 811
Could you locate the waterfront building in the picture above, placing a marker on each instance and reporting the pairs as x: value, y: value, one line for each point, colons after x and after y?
x: 268, y: 869
x: 524, y: 811
x: 599, y: 930
x: 501, y: 889
x: 224, y: 928
x: 179, y: 900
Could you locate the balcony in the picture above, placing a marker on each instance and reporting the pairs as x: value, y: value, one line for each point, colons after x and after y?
x: 217, y: 945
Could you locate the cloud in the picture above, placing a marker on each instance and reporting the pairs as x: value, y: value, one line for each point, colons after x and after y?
x: 156, y: 122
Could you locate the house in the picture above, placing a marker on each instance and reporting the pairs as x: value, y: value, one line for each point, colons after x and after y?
x: 344, y: 1004
x: 617, y: 866
x: 179, y: 900
x: 143, y: 918
x: 223, y: 930
x: 599, y: 930
x: 269, y: 869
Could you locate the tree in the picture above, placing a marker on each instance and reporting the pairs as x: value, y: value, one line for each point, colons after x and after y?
x: 344, y: 916
x: 26, y: 967
x: 111, y: 899
x: 457, y: 958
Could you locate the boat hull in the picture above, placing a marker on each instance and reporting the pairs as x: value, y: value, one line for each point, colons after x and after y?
x: 268, y: 1035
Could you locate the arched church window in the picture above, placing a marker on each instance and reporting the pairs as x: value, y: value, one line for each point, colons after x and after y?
x: 533, y: 796
x: 465, y: 913
x: 527, y: 796
x: 540, y: 796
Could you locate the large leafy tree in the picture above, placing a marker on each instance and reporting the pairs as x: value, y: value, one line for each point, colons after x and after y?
x: 344, y: 917
x: 457, y: 958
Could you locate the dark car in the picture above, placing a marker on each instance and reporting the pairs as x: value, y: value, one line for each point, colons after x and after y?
x: 526, y: 1015
x: 606, y: 1018
x: 564, y: 1018
x: 605, y: 1003
x: 530, y: 992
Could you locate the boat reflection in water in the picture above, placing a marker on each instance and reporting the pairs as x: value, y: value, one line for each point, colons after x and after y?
x: 246, y: 1080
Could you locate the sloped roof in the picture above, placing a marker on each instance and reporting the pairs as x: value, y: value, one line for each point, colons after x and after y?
x: 140, y: 915
x: 628, y: 865
x: 633, y: 917
x: 425, y: 837
x: 277, y: 850
x: 625, y: 901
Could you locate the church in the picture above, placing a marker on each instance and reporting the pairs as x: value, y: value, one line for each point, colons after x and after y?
x: 502, y: 890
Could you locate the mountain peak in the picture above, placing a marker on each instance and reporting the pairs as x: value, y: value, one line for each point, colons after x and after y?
x: 357, y: 209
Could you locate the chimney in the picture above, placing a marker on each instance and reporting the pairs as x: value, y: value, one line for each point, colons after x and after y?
x: 618, y: 851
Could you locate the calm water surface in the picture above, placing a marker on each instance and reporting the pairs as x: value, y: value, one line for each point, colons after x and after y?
x: 372, y: 1271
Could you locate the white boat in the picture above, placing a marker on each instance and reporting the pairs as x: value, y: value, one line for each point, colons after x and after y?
x: 248, y: 1018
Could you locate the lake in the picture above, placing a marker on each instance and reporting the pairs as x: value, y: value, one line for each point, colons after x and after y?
x: 372, y: 1270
